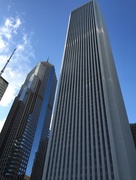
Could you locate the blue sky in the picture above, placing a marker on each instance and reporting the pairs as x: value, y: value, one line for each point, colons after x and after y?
x: 38, y: 29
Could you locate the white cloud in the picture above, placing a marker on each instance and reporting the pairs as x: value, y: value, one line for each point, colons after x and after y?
x: 2, y: 123
x: 20, y: 47
x: 2, y: 43
x: 12, y: 35
x: 12, y: 23
x: 9, y: 95
x: 10, y: 27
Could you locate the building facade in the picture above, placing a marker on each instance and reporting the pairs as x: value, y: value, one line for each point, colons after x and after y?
x: 133, y: 131
x: 3, y: 86
x: 27, y: 123
x: 90, y: 135
x: 38, y: 165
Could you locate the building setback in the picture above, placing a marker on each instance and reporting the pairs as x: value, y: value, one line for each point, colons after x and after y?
x: 27, y: 124
x: 90, y: 135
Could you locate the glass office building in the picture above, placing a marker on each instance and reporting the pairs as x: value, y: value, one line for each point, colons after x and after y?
x: 27, y: 123
x: 90, y: 137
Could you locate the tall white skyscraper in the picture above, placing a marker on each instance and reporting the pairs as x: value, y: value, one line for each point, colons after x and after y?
x: 90, y: 137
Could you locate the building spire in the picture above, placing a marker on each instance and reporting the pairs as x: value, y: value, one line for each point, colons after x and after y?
x: 48, y: 59
x: 7, y: 62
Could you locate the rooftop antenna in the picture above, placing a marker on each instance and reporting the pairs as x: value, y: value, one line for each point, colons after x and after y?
x: 48, y: 59
x: 7, y: 62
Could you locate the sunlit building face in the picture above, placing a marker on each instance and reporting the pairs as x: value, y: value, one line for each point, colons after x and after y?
x: 90, y: 137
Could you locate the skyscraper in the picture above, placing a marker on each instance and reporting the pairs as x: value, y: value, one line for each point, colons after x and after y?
x: 3, y: 82
x: 3, y: 86
x: 27, y: 123
x: 38, y: 165
x: 90, y: 136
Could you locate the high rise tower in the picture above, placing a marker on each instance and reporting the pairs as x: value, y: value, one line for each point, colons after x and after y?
x: 27, y: 124
x: 3, y: 82
x: 3, y: 86
x: 90, y: 136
